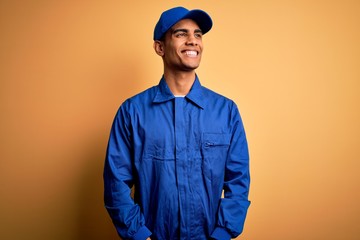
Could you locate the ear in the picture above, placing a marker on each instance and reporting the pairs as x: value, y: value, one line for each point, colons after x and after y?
x: 159, y: 48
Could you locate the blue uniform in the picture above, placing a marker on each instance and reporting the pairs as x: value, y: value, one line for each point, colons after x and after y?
x: 180, y: 153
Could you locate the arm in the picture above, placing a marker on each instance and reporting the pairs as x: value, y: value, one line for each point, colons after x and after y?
x: 233, y: 207
x: 118, y: 180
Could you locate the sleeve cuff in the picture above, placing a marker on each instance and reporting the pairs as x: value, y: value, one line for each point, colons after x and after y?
x: 142, y: 233
x: 220, y: 234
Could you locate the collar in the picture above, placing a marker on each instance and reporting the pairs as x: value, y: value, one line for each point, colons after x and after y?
x: 195, y: 95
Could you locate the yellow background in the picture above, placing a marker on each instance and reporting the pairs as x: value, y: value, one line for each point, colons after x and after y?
x: 293, y: 67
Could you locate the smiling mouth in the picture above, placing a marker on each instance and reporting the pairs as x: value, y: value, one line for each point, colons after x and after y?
x: 191, y: 53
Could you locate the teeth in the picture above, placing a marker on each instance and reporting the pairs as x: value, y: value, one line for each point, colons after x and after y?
x: 191, y: 53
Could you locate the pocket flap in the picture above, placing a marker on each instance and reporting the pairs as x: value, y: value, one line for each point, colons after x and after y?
x: 216, y: 139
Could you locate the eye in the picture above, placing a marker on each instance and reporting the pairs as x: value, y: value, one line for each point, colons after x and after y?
x: 181, y: 34
x: 198, y: 35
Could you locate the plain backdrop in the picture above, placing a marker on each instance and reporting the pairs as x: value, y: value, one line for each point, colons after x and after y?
x: 292, y: 67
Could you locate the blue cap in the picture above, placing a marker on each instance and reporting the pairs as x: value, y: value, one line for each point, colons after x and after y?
x: 170, y: 17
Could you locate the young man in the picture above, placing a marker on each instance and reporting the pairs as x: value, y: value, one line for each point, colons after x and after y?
x: 181, y: 145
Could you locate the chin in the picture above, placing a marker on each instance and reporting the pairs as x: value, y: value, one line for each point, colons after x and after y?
x: 192, y: 66
x: 189, y: 69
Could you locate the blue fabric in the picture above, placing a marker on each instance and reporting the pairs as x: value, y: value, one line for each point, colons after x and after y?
x: 171, y: 16
x: 180, y: 153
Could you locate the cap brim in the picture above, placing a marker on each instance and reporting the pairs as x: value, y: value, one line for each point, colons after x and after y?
x: 201, y: 18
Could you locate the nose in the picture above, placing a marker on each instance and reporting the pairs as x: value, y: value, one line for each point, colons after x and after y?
x: 191, y: 40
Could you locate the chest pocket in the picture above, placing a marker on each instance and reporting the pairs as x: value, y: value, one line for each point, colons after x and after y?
x: 215, y: 148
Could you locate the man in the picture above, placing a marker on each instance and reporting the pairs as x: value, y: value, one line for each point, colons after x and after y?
x: 181, y: 145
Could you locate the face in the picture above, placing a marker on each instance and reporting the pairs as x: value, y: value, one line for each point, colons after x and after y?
x: 182, y: 47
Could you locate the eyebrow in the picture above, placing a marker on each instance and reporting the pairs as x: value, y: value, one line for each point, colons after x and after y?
x: 186, y: 30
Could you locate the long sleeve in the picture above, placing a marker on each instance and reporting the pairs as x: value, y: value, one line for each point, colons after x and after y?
x: 118, y: 180
x: 233, y: 207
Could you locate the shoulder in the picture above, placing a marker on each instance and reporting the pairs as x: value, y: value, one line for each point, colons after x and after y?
x: 213, y: 97
x: 144, y: 97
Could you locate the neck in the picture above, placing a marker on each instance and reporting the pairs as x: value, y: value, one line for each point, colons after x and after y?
x: 180, y: 83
